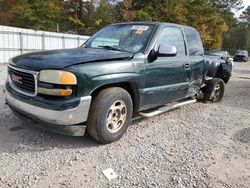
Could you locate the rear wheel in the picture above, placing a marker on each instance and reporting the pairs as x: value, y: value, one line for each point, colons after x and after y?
x: 110, y: 115
x: 226, y: 78
x: 214, y: 90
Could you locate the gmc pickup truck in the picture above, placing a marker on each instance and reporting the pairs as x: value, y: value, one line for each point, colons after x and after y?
x: 123, y: 71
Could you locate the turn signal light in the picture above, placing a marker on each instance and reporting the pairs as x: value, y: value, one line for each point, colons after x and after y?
x: 65, y: 92
x: 55, y: 92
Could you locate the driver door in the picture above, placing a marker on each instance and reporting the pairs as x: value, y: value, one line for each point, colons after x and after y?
x: 167, y: 78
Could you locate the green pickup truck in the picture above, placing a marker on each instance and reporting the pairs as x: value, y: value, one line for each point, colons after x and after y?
x: 125, y: 70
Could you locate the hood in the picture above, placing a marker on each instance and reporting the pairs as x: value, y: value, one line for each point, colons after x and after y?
x: 59, y: 59
x: 213, y: 57
x: 218, y: 59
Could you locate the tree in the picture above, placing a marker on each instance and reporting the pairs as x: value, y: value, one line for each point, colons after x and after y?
x: 208, y: 22
x: 201, y: 14
x: 104, y: 15
x: 7, y: 11
x: 245, y: 24
x: 245, y: 17
x: 38, y: 15
x: 228, y: 4
x: 212, y: 18
x: 125, y: 11
x: 79, y: 15
x: 239, y: 36
x: 86, y: 17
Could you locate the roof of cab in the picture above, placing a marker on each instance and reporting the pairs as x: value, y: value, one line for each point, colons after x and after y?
x: 155, y: 23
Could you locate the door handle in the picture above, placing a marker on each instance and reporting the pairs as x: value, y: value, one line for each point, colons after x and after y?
x: 186, y: 66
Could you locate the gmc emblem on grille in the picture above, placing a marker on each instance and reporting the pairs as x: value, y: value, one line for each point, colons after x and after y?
x: 16, y: 79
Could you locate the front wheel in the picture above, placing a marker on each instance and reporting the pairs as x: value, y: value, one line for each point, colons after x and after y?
x: 214, y: 90
x: 110, y: 114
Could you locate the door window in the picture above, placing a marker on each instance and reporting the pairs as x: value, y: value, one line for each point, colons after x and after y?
x: 172, y: 36
x: 194, y: 44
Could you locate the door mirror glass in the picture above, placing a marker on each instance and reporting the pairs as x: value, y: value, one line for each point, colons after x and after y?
x: 167, y: 51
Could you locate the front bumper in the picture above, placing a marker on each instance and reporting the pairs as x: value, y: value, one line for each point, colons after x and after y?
x: 57, y: 121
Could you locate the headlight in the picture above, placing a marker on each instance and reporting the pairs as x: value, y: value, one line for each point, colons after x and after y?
x: 56, y: 83
x: 57, y: 77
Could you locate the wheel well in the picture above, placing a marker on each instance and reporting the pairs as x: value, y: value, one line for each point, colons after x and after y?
x: 129, y: 87
x: 225, y: 76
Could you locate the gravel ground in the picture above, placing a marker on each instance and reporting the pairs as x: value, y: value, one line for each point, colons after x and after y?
x: 3, y: 73
x: 201, y: 145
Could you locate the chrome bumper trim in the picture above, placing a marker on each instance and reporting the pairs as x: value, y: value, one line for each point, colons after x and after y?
x: 73, y: 116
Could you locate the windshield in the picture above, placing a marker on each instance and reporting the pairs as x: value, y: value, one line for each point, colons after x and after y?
x: 241, y: 52
x: 124, y: 37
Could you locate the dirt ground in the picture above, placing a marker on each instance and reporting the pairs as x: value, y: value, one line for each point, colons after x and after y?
x: 201, y: 145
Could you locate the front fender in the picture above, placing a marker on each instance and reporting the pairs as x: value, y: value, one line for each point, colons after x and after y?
x: 96, y: 75
x: 114, y: 79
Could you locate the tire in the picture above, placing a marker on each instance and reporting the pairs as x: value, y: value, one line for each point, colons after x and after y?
x: 214, y: 90
x: 110, y: 115
x: 226, y: 78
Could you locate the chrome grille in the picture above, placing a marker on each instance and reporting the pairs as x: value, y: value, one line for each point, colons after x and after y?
x: 23, y: 81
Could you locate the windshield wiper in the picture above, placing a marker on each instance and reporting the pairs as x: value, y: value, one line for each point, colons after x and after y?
x: 112, y: 48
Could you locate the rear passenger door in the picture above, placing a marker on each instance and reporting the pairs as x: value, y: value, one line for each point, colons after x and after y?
x: 196, y: 58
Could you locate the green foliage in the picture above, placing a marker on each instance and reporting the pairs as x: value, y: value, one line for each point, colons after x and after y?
x: 228, y: 4
x: 206, y: 20
x: 104, y: 14
x: 125, y: 11
x: 6, y: 11
x: 142, y: 15
x: 213, y: 19
x: 239, y: 36
x: 245, y: 17
x: 38, y: 15
x: 200, y: 14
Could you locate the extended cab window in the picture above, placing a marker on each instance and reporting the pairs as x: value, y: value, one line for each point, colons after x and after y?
x: 172, y: 36
x: 194, y: 44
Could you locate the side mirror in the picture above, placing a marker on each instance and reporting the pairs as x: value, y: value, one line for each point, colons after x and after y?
x: 167, y: 51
